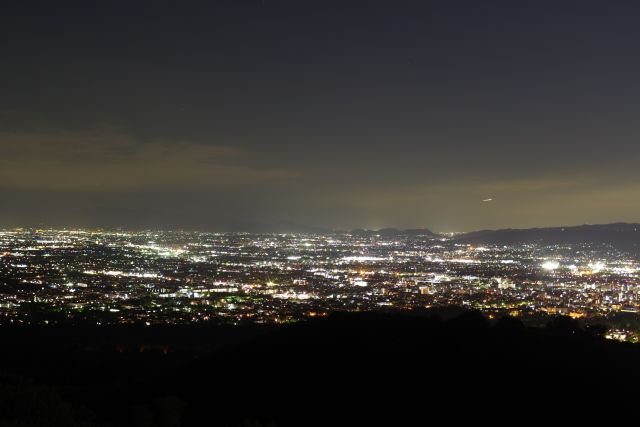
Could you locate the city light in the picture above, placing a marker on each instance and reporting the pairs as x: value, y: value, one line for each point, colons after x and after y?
x: 183, y: 277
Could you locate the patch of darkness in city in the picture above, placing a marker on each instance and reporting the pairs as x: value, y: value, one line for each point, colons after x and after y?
x: 252, y: 213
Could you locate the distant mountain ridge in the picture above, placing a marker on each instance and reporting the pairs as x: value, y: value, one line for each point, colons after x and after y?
x: 623, y: 235
x: 286, y: 227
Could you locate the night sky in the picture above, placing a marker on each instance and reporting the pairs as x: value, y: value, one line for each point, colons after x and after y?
x: 209, y: 115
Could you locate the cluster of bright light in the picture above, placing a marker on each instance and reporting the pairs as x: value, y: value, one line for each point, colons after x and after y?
x: 550, y: 265
x: 122, y: 274
x: 625, y: 270
x: 360, y: 282
x: 362, y: 259
x: 596, y: 267
x: 464, y: 261
x: 293, y: 296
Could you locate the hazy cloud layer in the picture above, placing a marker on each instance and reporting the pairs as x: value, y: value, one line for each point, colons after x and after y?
x: 108, y: 161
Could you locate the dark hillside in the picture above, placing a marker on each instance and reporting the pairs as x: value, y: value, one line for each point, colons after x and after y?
x: 348, y: 369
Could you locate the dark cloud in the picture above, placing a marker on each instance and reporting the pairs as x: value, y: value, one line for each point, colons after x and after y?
x: 333, y: 113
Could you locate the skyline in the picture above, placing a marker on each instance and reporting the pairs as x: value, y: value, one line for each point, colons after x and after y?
x: 154, y: 277
x: 292, y: 228
x: 454, y: 116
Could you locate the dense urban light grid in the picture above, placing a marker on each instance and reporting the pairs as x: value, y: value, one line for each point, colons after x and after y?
x: 109, y: 277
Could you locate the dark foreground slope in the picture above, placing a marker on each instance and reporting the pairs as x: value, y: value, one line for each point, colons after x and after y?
x: 348, y: 369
